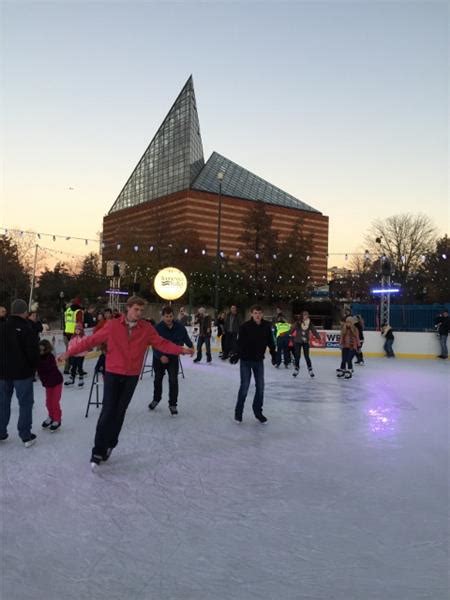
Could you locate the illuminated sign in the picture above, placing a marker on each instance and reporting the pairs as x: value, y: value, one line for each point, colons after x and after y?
x: 170, y: 283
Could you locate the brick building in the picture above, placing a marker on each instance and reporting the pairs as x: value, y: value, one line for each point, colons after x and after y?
x: 173, y: 185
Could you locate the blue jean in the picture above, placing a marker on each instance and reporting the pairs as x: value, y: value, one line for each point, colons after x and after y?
x: 25, y: 396
x: 388, y: 347
x: 246, y: 368
x: 443, y: 342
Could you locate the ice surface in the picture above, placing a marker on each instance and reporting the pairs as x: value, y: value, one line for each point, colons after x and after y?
x: 343, y: 495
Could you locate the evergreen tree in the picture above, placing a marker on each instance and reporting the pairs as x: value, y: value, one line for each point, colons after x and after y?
x: 14, y: 280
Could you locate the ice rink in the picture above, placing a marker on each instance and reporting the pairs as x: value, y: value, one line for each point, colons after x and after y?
x: 343, y: 495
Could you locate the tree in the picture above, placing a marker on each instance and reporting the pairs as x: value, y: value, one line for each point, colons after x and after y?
x: 404, y: 239
x: 90, y: 281
x: 435, y: 273
x: 14, y: 280
x: 260, y: 242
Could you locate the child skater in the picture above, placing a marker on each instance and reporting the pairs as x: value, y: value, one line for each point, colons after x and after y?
x: 349, y: 346
x: 76, y: 362
x: 52, y: 380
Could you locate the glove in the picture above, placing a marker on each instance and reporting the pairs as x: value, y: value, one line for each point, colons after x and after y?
x: 234, y: 358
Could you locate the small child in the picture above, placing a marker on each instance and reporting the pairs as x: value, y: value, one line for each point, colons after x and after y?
x: 76, y: 362
x: 349, y: 346
x: 52, y: 380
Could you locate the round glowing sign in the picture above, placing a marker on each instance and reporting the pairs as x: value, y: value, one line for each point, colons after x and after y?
x: 170, y: 283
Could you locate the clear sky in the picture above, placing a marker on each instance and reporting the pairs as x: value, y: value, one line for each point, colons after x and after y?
x: 342, y: 104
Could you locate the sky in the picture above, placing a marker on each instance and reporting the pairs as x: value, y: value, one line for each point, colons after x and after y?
x: 342, y: 104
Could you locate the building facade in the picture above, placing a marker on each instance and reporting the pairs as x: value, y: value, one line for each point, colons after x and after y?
x: 173, y: 186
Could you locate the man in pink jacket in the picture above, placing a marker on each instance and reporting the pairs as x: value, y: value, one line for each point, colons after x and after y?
x: 127, y: 339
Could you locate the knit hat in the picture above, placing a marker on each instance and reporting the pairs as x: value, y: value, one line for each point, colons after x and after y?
x: 18, y: 307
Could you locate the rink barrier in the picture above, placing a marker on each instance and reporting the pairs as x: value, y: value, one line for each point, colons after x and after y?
x: 407, y: 344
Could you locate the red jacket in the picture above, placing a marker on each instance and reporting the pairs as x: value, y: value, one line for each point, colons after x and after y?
x: 126, y: 352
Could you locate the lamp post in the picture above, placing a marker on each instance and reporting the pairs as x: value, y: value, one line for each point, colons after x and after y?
x: 219, y: 224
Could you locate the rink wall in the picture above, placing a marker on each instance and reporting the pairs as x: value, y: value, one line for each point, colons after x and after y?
x: 407, y: 344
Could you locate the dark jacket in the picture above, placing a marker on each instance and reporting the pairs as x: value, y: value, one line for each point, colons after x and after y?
x: 232, y: 323
x: 19, y: 349
x: 48, y: 371
x: 360, y: 329
x: 442, y: 325
x: 254, y: 339
x: 176, y: 334
x: 204, y: 324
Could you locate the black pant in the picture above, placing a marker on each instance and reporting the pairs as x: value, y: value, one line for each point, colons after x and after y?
x: 359, y: 354
x: 159, y: 370
x: 117, y: 393
x: 204, y: 339
x: 298, y: 352
x: 229, y: 344
x: 76, y: 366
x: 347, y: 357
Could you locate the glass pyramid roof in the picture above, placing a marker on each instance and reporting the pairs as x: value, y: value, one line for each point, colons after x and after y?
x: 173, y: 159
x: 239, y: 182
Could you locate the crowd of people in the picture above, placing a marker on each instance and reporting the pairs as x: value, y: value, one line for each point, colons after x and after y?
x: 123, y: 341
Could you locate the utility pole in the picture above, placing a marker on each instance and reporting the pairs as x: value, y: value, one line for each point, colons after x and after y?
x: 33, y: 277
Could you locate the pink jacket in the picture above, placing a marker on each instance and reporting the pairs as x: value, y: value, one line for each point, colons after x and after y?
x: 125, y: 353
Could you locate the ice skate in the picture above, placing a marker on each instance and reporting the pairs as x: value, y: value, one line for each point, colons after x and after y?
x: 81, y: 382
x: 96, y: 459
x: 70, y: 381
x: 173, y: 410
x: 347, y: 375
x: 46, y: 423
x: 340, y: 372
x: 261, y: 418
x: 29, y: 441
x: 54, y: 426
x: 311, y: 373
x: 296, y: 372
x: 153, y: 404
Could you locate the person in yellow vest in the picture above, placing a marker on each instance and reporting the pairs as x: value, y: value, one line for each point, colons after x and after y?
x: 73, y: 315
x: 282, y: 329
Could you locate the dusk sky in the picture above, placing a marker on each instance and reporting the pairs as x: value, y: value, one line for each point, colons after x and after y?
x: 342, y: 104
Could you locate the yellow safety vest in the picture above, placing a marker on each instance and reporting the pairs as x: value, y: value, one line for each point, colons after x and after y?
x: 282, y: 328
x: 70, y: 317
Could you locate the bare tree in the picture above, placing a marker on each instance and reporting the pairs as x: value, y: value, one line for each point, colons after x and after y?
x: 404, y: 239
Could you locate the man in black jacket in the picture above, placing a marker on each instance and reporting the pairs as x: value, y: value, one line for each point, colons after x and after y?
x: 230, y: 332
x: 255, y: 335
x: 442, y: 323
x: 19, y: 358
x: 175, y: 332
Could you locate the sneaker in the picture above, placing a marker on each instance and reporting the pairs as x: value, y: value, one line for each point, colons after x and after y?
x: 311, y: 373
x: 340, y: 373
x: 47, y: 423
x: 347, y: 375
x: 55, y: 425
x: 261, y: 418
x: 70, y: 381
x: 81, y: 383
x: 173, y: 410
x: 3, y: 437
x: 28, y: 442
x: 153, y: 404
